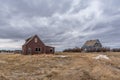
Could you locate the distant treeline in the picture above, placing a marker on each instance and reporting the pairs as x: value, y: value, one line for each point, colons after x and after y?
x: 10, y: 51
x: 116, y: 50
x: 7, y: 51
x: 104, y: 49
x: 76, y: 49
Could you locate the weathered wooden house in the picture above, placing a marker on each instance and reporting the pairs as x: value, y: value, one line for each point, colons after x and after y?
x: 92, y: 44
x: 34, y: 45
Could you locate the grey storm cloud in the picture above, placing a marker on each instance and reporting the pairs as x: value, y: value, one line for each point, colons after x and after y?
x: 61, y: 23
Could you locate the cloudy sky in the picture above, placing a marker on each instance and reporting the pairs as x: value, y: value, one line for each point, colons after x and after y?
x: 60, y: 23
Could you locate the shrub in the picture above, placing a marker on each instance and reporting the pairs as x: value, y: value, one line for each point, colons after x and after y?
x: 76, y: 49
x: 116, y: 50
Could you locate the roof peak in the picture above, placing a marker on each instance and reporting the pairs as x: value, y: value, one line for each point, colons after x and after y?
x: 94, y: 40
x: 35, y: 35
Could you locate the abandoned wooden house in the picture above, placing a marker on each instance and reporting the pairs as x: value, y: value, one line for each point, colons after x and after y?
x: 92, y: 44
x: 34, y: 45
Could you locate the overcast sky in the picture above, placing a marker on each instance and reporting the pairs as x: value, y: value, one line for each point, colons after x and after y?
x: 59, y: 23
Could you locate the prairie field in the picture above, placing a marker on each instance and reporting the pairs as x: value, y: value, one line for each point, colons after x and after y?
x: 60, y: 66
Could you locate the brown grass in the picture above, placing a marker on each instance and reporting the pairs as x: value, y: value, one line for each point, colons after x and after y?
x: 74, y: 66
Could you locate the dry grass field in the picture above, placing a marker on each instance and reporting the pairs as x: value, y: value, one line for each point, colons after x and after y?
x: 62, y: 66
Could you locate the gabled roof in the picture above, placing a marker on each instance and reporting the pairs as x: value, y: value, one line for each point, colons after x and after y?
x: 91, y: 42
x: 30, y: 39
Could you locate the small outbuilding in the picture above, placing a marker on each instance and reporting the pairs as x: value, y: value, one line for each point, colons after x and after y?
x: 34, y: 45
x: 92, y: 44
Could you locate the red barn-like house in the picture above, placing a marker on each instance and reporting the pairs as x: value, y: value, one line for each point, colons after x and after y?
x: 34, y: 45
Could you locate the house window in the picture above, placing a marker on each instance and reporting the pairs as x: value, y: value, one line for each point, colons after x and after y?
x: 51, y: 50
x: 96, y: 44
x: 36, y: 40
x: 38, y: 49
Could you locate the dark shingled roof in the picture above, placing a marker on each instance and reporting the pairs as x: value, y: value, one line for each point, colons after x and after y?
x: 92, y: 44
